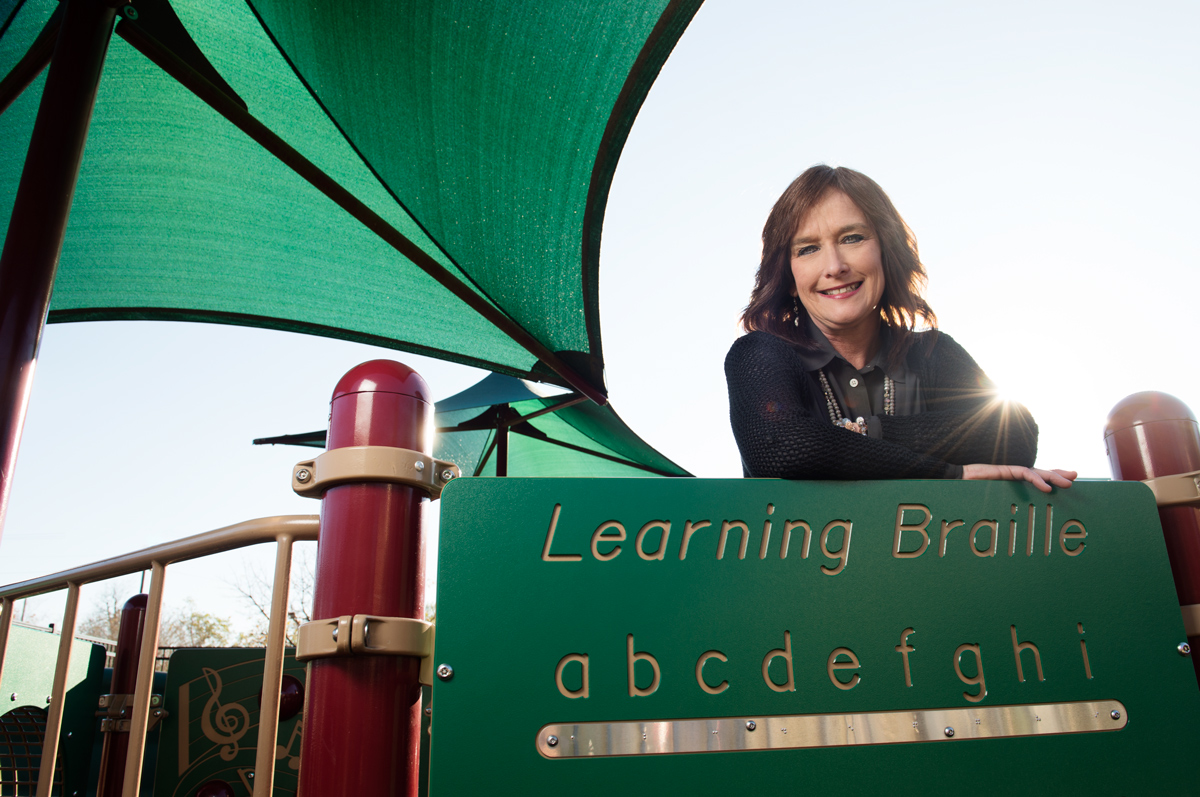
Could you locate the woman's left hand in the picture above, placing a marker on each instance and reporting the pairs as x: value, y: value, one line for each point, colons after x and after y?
x: 1041, y: 479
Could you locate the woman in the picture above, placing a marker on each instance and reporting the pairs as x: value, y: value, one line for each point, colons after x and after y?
x: 833, y: 381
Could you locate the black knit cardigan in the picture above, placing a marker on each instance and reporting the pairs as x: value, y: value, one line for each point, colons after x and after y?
x: 782, y: 426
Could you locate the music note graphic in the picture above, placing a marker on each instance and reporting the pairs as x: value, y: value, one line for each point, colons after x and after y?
x: 231, y: 719
x: 286, y: 752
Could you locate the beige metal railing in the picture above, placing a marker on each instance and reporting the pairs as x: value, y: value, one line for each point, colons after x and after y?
x: 283, y: 530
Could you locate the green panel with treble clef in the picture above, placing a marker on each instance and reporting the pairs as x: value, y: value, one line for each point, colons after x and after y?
x: 212, y: 699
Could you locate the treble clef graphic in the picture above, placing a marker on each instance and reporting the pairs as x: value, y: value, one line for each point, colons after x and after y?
x: 231, y: 719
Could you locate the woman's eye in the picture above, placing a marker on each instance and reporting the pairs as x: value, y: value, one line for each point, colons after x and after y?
x: 805, y: 250
x: 854, y: 238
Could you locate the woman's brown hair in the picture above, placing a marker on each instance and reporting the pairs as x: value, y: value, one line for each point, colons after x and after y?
x: 772, y: 307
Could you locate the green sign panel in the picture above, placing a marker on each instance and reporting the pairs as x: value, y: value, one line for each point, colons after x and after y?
x: 212, y: 700
x: 24, y: 696
x: 718, y: 636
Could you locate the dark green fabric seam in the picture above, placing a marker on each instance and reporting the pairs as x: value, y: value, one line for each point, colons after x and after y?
x: 378, y: 178
x: 13, y: 15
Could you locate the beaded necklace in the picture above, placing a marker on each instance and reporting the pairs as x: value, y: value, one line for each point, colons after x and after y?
x: 835, y: 412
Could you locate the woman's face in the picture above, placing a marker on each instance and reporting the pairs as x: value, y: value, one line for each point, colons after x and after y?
x: 838, y: 268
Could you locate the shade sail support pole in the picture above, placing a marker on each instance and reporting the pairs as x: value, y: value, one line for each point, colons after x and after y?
x: 223, y: 104
x: 475, y: 424
x: 569, y: 401
x: 502, y: 450
x: 39, y: 218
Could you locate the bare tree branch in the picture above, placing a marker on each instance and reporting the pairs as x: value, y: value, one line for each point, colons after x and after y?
x: 104, y: 621
x: 254, y: 586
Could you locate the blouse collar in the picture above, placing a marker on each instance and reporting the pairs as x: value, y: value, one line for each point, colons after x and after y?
x: 818, y: 358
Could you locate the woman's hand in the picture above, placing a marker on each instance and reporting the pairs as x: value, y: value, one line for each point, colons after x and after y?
x: 1041, y: 479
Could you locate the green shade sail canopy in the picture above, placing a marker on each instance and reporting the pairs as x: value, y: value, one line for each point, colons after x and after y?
x: 484, y: 136
x: 560, y: 435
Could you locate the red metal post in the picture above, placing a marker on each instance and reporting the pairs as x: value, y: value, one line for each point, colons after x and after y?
x: 363, y: 718
x: 1149, y: 435
x: 124, y: 678
x: 39, y: 217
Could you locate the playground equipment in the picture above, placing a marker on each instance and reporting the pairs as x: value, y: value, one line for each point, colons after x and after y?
x: 666, y: 630
x: 595, y: 634
x: 1153, y: 437
x: 283, y: 531
x: 355, y: 202
x: 319, y: 192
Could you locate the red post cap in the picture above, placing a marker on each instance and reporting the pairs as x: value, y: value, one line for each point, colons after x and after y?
x: 1147, y: 407
x: 1149, y: 435
x: 383, y: 376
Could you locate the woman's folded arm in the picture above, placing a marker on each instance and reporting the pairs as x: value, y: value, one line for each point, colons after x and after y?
x: 966, y: 422
x: 995, y: 433
x: 779, y: 435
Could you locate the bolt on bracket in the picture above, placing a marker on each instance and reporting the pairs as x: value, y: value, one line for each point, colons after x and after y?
x: 117, y: 706
x: 118, y: 725
x: 368, y: 635
x: 355, y: 464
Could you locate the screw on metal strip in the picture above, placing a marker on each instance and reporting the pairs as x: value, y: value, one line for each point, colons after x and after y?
x: 357, y: 464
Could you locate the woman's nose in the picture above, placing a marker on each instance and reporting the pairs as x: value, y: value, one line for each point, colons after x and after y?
x: 834, y: 263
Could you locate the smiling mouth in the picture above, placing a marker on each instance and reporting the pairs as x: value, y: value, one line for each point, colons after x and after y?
x: 844, y: 290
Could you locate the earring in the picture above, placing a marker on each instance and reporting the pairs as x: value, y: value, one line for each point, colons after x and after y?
x: 796, y: 310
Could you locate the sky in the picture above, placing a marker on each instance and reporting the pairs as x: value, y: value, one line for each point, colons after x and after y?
x: 1044, y: 154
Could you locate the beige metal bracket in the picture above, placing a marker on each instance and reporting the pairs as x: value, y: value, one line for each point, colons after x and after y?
x: 322, y: 639
x: 119, y: 705
x: 368, y: 635
x: 1191, y: 619
x: 1176, y: 490
x: 119, y: 725
x: 313, y: 477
